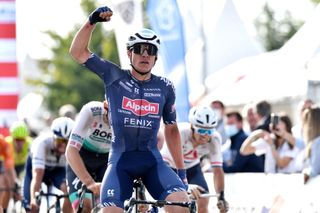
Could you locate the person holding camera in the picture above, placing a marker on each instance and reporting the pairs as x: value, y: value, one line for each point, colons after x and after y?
x: 279, y: 146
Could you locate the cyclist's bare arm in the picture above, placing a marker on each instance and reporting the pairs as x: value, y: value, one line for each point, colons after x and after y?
x: 246, y: 148
x: 77, y: 165
x: 218, y: 176
x: 172, y: 138
x: 35, y: 186
x: 79, y: 48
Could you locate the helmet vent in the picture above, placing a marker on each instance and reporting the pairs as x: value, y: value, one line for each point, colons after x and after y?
x: 131, y: 38
x: 65, y: 129
x: 141, y: 37
x: 199, y: 121
x: 207, y: 117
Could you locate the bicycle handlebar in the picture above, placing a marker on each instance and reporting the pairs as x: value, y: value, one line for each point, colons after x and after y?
x: 41, y: 193
x: 157, y: 203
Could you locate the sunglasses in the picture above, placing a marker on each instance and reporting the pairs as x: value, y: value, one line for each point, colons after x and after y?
x: 140, y: 48
x: 20, y: 139
x: 202, y: 131
x: 61, y: 141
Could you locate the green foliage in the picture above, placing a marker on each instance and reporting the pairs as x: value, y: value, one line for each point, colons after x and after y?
x: 274, y: 33
x: 64, y: 81
x: 315, y: 1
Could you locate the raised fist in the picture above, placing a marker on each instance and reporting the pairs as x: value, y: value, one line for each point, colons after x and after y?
x: 101, y: 14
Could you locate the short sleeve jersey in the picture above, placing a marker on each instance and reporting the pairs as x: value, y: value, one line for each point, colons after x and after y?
x: 191, y: 154
x: 20, y: 157
x: 92, y: 130
x: 6, y: 153
x: 43, y: 155
x: 135, y: 107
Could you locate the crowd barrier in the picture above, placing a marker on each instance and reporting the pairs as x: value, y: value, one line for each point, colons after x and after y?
x: 263, y: 193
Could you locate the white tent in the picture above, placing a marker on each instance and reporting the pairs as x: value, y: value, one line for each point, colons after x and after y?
x: 256, y: 78
x: 272, y: 76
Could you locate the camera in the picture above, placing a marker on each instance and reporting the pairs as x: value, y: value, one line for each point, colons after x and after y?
x: 274, y: 121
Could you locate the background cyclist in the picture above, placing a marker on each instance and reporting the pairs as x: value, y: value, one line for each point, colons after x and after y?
x: 87, y: 152
x: 46, y: 163
x: 137, y: 101
x: 197, y: 141
x: 7, y: 173
x: 21, y: 142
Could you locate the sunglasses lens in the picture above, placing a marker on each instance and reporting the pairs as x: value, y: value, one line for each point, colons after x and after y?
x: 140, y: 48
x: 61, y: 140
x: 204, y: 131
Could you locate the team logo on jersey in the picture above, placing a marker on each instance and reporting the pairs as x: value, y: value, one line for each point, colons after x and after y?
x: 149, y: 94
x: 140, y: 107
x: 96, y: 110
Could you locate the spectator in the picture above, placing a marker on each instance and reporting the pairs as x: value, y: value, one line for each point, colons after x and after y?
x: 219, y: 109
x: 262, y: 111
x: 311, y: 134
x: 248, y: 114
x: 238, y: 162
x: 297, y: 130
x: 278, y: 145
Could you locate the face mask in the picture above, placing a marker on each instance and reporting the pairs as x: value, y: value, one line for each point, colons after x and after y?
x: 231, y: 130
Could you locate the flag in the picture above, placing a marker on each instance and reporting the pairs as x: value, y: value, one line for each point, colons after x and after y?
x: 165, y: 20
x: 9, y: 81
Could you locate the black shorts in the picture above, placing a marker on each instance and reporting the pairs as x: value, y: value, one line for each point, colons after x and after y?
x: 195, y: 176
x: 95, y: 163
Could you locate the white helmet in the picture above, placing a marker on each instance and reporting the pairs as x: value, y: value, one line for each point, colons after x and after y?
x: 144, y: 36
x: 62, y: 127
x: 203, y: 116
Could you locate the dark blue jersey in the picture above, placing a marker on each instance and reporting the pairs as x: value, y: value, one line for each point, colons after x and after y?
x: 136, y: 106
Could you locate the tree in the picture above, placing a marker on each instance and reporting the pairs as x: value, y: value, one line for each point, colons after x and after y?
x: 67, y: 82
x: 274, y: 33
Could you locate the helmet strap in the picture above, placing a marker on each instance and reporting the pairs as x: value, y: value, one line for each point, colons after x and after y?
x: 141, y: 73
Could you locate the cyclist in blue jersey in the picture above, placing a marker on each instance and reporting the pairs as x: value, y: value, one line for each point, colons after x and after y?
x: 137, y: 100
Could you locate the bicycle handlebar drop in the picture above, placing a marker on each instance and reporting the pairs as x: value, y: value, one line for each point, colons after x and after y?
x: 158, y: 203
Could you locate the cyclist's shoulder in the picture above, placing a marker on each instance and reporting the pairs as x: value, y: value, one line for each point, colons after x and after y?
x: 93, y: 107
x: 91, y: 111
x: 43, y: 140
x: 97, y: 61
x: 29, y: 140
x: 4, y: 144
x: 162, y: 81
x: 8, y: 139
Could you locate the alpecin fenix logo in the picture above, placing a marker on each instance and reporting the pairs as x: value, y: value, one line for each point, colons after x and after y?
x: 140, y: 107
